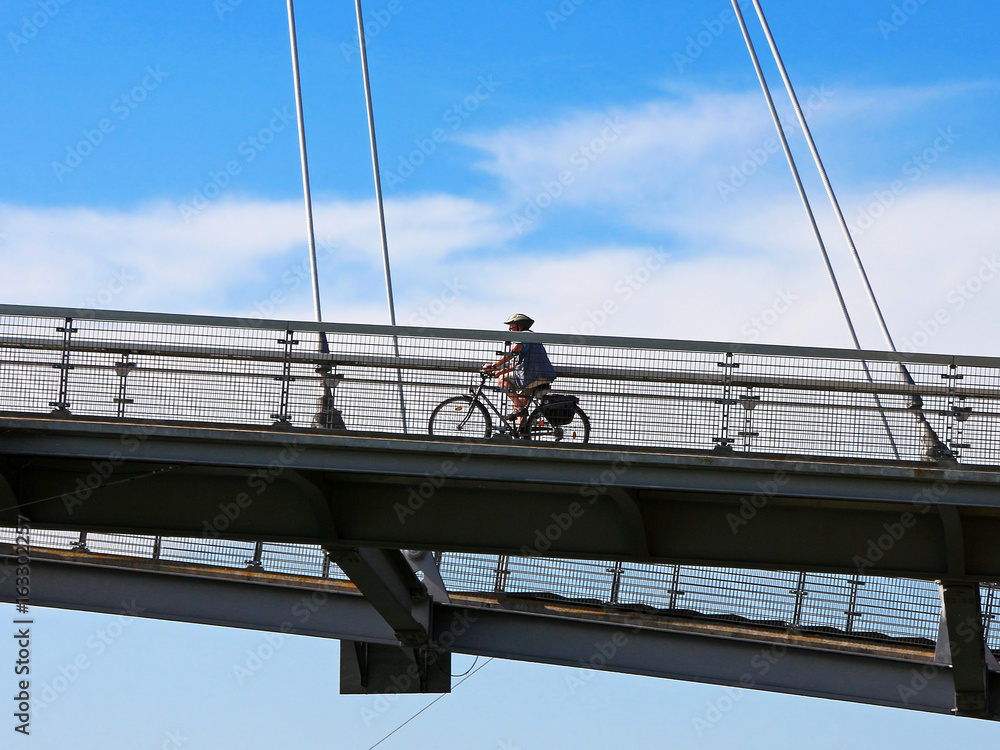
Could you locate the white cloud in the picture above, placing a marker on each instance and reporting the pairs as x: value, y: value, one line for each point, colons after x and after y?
x: 746, y: 269
x: 152, y: 258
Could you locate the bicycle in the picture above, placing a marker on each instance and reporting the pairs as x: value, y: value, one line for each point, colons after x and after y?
x: 467, y: 416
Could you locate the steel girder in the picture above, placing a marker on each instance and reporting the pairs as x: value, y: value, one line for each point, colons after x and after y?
x: 626, y: 646
x: 887, y: 519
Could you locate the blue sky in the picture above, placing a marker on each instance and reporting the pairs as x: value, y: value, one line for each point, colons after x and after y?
x: 536, y: 156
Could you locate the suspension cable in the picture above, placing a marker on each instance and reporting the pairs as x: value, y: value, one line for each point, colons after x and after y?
x: 935, y: 448
x: 795, y: 173
x: 305, y: 162
x: 809, y: 212
x: 378, y: 201
x: 822, y: 172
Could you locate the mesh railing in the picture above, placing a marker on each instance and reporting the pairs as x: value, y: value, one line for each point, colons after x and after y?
x: 858, y: 606
x: 635, y: 392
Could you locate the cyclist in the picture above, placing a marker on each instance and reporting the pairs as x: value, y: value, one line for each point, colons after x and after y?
x: 522, y: 370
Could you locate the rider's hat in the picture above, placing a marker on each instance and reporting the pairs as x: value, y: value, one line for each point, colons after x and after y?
x: 519, y: 318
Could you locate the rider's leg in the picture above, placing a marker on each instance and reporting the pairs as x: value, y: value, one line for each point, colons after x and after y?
x: 516, y: 399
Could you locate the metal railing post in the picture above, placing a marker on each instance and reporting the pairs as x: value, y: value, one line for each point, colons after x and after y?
x: 675, y: 591
x: 258, y: 553
x: 852, y: 612
x: 616, y: 581
x: 956, y: 415
x: 800, y: 593
x: 502, y: 572
x: 80, y: 545
x: 723, y: 442
x: 122, y: 369
x: 282, y: 416
x: 62, y: 401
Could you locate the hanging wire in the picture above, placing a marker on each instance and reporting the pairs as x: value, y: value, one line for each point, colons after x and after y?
x: 427, y: 706
x: 378, y: 201
x: 69, y: 495
x: 474, y: 663
x: 809, y: 212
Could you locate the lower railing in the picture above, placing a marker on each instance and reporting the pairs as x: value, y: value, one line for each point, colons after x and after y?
x: 857, y: 606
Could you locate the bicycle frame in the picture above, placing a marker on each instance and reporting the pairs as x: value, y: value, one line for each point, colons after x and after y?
x: 479, y: 397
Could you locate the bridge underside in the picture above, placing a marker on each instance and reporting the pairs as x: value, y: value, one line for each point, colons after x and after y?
x: 363, y: 498
x: 349, y: 491
x: 886, y: 673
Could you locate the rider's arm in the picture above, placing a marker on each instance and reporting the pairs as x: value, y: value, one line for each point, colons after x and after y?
x: 505, y: 358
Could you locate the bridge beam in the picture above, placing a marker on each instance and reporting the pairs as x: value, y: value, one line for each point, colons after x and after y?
x: 961, y: 643
x: 389, y: 583
x: 620, y: 645
x: 363, y: 492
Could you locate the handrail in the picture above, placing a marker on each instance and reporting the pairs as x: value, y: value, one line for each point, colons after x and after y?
x: 679, y: 345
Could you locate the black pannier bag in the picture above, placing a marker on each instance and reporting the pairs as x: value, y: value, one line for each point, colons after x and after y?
x: 559, y: 408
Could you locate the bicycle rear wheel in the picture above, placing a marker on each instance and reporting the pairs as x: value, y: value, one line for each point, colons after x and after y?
x: 460, y: 416
x: 577, y: 431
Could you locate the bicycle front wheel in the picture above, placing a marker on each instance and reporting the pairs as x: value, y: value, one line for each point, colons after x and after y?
x: 541, y: 429
x: 460, y: 417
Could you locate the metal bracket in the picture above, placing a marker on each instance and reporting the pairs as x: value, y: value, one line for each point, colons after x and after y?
x: 372, y: 668
x: 389, y: 584
x: 424, y: 562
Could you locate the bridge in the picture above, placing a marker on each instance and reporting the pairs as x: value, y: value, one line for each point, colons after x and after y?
x: 811, y: 521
